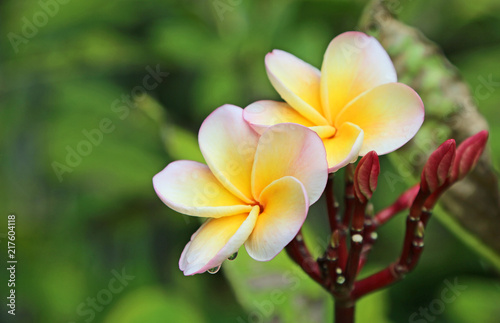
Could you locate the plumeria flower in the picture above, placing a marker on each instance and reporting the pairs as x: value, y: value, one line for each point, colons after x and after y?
x: 255, y: 190
x: 354, y: 104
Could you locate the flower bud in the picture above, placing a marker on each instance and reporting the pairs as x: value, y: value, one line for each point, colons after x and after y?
x: 438, y: 166
x: 468, y: 154
x: 366, y: 176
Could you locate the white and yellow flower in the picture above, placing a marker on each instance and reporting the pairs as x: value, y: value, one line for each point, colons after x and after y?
x: 354, y: 104
x: 255, y: 190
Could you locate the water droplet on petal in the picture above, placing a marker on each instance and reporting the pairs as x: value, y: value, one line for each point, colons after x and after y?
x: 214, y: 270
x: 233, y: 256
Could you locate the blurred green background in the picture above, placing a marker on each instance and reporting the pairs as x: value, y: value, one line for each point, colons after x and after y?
x: 70, y: 67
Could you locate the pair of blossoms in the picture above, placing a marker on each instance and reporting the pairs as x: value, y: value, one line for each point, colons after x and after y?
x: 267, y: 163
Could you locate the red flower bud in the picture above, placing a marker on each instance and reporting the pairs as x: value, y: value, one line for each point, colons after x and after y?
x: 366, y: 176
x: 468, y: 154
x: 438, y: 166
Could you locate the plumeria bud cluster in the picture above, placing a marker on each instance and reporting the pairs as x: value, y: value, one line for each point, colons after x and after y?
x: 448, y: 164
x: 354, y: 232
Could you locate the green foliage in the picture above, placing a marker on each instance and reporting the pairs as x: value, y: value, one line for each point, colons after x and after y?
x: 278, y: 290
x: 478, y: 302
x: 153, y: 305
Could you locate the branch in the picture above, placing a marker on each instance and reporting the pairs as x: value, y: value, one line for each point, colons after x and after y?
x: 297, y: 250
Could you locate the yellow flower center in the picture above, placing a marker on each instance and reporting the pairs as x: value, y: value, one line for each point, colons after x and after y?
x: 261, y: 208
x: 325, y: 132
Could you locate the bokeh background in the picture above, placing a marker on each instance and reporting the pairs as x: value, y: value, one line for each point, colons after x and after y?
x: 83, y: 221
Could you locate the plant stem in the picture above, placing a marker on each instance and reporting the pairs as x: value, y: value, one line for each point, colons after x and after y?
x: 297, y: 250
x: 349, y: 203
x: 383, y: 278
x: 331, y: 204
x: 411, y: 225
x: 348, y: 195
x: 331, y: 260
x: 353, y: 259
x: 344, y: 311
x: 337, y: 269
x: 402, y: 203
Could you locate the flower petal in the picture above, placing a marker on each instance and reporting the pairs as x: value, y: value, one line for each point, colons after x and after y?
x: 263, y: 114
x: 344, y: 148
x: 289, y: 149
x: 297, y: 82
x: 354, y: 62
x: 215, y: 241
x: 228, y: 144
x: 324, y: 131
x: 190, y: 188
x: 285, y: 209
x: 390, y: 115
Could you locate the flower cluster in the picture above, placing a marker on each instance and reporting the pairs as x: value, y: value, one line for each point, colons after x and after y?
x: 267, y: 163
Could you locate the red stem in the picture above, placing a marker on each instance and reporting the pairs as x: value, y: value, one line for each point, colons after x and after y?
x: 402, y: 203
x: 332, y: 259
x: 416, y: 252
x: 353, y: 260
x: 331, y: 204
x: 344, y: 311
x: 418, y: 203
x: 358, y: 219
x: 352, y: 266
x: 411, y: 225
x: 434, y: 197
x: 349, y: 203
x: 297, y: 250
x: 412, y: 250
x: 348, y: 194
x: 369, y: 238
x: 425, y: 216
x: 383, y: 278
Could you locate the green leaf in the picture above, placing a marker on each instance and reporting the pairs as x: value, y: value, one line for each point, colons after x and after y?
x: 153, y: 305
x: 373, y: 308
x: 181, y: 144
x: 477, y: 303
x: 277, y: 290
